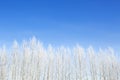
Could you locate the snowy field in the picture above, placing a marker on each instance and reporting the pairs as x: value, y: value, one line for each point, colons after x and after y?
x: 32, y: 61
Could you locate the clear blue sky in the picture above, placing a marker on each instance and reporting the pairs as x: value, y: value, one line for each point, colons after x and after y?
x: 88, y: 22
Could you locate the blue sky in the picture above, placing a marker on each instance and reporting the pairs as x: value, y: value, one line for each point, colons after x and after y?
x: 88, y: 22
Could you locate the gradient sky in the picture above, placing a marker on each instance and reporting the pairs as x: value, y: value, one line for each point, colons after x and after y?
x: 88, y: 22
